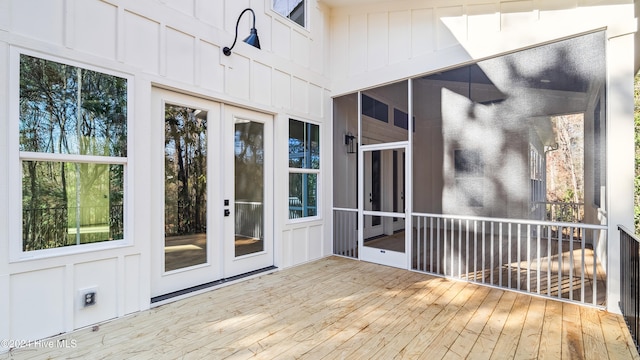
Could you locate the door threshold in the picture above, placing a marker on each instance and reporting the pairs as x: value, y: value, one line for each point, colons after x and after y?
x: 210, y: 284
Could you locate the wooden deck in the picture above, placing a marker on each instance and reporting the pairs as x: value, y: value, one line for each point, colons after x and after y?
x: 338, y: 308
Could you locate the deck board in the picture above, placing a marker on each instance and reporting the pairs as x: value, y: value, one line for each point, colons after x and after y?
x: 338, y: 308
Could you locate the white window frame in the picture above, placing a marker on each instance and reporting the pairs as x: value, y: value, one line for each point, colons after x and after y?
x: 15, y: 158
x: 317, y: 172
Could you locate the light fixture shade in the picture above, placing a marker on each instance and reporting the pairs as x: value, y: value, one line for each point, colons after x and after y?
x: 252, y: 39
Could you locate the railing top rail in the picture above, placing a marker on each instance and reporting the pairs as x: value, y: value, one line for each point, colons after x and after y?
x: 558, y: 203
x: 345, y: 209
x: 514, y: 221
x: 628, y: 232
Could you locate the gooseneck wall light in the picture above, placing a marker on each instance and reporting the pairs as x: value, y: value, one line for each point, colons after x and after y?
x: 252, y: 39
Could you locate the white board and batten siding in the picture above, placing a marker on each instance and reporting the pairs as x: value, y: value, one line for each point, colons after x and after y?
x: 176, y: 45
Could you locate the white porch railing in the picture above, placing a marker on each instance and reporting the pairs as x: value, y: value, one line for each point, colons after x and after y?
x: 345, y: 232
x: 552, y: 259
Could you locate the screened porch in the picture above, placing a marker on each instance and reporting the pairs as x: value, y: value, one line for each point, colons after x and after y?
x: 492, y: 172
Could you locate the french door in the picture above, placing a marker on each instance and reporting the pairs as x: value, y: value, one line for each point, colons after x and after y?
x: 383, y: 238
x: 211, y: 203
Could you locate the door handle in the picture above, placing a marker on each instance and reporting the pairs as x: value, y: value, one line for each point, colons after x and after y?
x: 370, y: 198
x: 227, y: 212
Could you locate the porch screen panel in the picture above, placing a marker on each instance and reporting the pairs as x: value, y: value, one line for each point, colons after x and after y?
x: 345, y: 152
x: 516, y: 136
x: 345, y: 175
x: 385, y: 114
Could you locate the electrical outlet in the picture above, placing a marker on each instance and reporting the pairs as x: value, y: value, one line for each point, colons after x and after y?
x: 88, y: 297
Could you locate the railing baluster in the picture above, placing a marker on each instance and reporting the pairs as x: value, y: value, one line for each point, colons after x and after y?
x: 538, y: 257
x: 549, y: 266
x: 528, y: 257
x: 460, y: 248
x: 583, y: 268
x: 445, y: 243
x: 571, y: 263
x: 483, y: 249
x: 467, y: 250
x: 475, y: 250
x: 430, y: 244
x: 560, y: 252
x: 438, y: 246
x: 452, y: 238
x: 419, y: 246
x: 453, y: 252
x: 510, y: 284
x: 499, y: 254
x: 492, y: 248
x: 519, y: 240
x: 594, y: 253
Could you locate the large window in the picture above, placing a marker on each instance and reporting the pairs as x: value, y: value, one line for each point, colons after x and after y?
x: 304, y: 169
x: 73, y: 154
x: 291, y: 9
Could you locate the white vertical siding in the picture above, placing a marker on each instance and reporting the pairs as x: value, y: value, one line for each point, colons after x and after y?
x: 37, y: 296
x: 101, y: 275
x: 95, y: 15
x: 422, y: 32
x: 142, y: 42
x: 446, y: 33
x: 451, y: 26
x: 180, y: 55
x: 377, y: 40
x: 46, y: 24
x: 399, y: 36
x: 168, y: 43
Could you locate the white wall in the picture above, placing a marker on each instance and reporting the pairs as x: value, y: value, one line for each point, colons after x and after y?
x: 175, y: 44
x: 387, y: 41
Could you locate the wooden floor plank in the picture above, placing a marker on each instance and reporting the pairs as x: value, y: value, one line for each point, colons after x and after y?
x: 529, y: 343
x: 572, y: 341
x: 551, y: 338
x: 460, y: 348
x: 509, y: 337
x: 592, y: 337
x: 426, y: 327
x: 453, y: 326
x: 420, y: 317
x: 484, y: 345
x: 338, y: 308
x: 616, y: 348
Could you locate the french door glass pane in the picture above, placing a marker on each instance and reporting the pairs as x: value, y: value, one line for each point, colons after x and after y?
x: 249, y: 187
x: 185, y: 187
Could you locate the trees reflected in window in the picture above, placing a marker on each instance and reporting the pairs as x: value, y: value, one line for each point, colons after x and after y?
x: 73, y: 147
x: 185, y: 187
